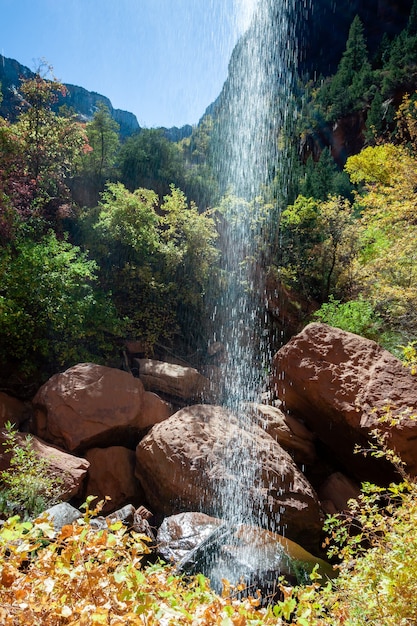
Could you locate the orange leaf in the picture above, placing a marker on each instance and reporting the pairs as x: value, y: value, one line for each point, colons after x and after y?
x: 8, y: 576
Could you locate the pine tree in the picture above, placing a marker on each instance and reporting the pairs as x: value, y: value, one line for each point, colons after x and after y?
x: 348, y: 89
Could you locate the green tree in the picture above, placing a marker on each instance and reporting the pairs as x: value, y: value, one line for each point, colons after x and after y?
x: 348, y: 89
x: 324, y: 179
x: 52, y: 147
x: 148, y: 160
x: 51, y: 313
x: 319, y: 243
x: 103, y: 139
x: 156, y: 258
x: 385, y: 267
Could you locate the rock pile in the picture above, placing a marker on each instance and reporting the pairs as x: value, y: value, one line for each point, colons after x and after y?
x: 109, y: 433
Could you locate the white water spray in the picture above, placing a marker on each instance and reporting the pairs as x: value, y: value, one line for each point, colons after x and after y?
x: 254, y: 113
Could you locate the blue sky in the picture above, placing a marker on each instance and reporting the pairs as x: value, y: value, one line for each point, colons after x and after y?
x: 163, y: 60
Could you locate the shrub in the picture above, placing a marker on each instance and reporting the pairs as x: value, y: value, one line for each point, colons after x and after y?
x: 355, y: 316
x: 28, y: 485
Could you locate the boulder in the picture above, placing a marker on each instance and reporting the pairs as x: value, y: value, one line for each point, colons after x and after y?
x: 196, y: 542
x: 289, y: 432
x: 340, y: 384
x: 112, y: 474
x: 202, y: 459
x: 70, y: 469
x: 87, y: 406
x: 154, y: 410
x: 336, y: 491
x: 174, y: 380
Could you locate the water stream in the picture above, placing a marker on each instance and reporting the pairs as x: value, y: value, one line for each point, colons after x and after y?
x: 256, y: 110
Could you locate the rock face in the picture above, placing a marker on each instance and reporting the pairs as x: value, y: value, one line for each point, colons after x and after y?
x: 339, y: 384
x: 111, y: 474
x: 87, y: 406
x: 185, y: 463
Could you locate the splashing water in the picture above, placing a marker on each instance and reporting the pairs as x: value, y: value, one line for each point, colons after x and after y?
x: 255, y: 111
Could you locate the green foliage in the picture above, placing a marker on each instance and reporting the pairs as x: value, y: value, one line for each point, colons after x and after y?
x: 128, y: 222
x: 148, y: 160
x: 347, y: 91
x: 103, y: 140
x: 323, y: 179
x: 27, y: 486
x: 157, y: 257
x: 318, y: 242
x: 385, y: 267
x: 355, y: 316
x: 51, y: 315
x: 410, y: 356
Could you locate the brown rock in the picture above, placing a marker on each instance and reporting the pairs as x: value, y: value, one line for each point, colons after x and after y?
x: 112, y: 473
x: 201, y: 459
x: 289, y: 432
x: 336, y: 491
x: 339, y: 384
x: 174, y: 380
x: 154, y: 410
x: 88, y: 405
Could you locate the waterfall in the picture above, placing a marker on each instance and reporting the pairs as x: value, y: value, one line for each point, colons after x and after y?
x: 255, y: 113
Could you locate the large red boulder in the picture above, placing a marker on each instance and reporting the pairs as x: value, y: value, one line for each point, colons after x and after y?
x: 112, y: 474
x: 340, y: 385
x: 89, y: 405
x: 202, y: 459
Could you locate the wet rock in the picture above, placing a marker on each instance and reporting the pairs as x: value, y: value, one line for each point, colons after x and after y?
x: 185, y: 383
x: 87, y: 406
x: 112, y: 474
x: 339, y: 384
x: 186, y: 463
x: 195, y: 542
x: 180, y: 534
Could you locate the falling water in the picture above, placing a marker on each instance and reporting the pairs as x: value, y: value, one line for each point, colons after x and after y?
x: 255, y: 110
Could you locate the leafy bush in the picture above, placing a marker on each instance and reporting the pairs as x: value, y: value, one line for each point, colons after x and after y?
x: 28, y: 487
x: 355, y: 316
x: 157, y: 258
x: 51, y: 314
x: 84, y: 577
